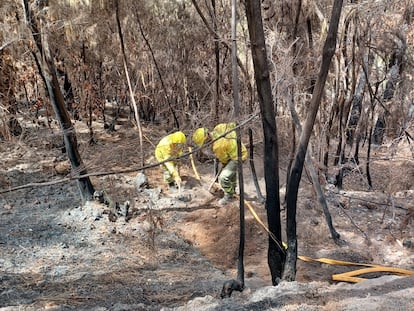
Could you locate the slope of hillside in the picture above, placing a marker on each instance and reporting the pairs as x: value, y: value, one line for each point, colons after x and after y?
x: 174, y: 251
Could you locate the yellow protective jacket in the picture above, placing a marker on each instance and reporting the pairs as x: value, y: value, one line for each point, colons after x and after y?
x: 222, y: 128
x: 225, y: 148
x: 170, y: 146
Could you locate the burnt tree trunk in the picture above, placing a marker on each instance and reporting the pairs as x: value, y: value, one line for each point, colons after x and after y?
x: 217, y: 60
x: 276, y: 255
x: 58, y: 103
x: 297, y: 167
x: 260, y: 197
x: 314, y: 177
x: 157, y: 67
x: 356, y: 108
x: 131, y: 93
x: 395, y: 66
x: 292, y: 88
x: 238, y: 284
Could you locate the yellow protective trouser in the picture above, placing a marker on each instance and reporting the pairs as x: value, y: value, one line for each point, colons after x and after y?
x: 228, y: 177
x: 170, y: 171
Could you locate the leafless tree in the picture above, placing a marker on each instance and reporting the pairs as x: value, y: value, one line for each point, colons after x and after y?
x: 276, y: 253
x: 289, y: 272
x: 56, y: 98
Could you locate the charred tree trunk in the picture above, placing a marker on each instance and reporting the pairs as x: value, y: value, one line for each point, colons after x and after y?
x: 292, y: 89
x: 290, y: 157
x: 236, y: 103
x: 237, y: 284
x: 395, y: 69
x: 334, y: 113
x: 131, y: 94
x: 373, y: 96
x: 217, y: 37
x: 58, y: 104
x: 297, y: 168
x: 157, y: 67
x: 217, y: 59
x: 314, y: 177
x: 260, y: 197
x: 87, y: 96
x: 276, y: 254
x: 356, y: 108
x: 353, y: 120
x: 350, y: 62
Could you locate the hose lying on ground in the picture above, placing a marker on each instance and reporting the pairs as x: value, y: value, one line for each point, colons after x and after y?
x: 350, y: 276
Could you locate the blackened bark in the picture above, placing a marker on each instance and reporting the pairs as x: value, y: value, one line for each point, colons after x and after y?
x: 276, y: 256
x: 58, y: 103
x: 157, y: 67
x: 297, y: 168
x: 260, y: 197
x: 314, y: 177
x: 356, y: 109
x: 238, y: 284
x: 236, y: 104
x: 217, y: 59
x: 396, y: 66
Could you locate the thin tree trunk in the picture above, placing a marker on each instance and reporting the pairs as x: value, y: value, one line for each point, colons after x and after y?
x: 322, y: 200
x: 393, y: 74
x: 350, y: 84
x: 176, y: 123
x: 292, y: 91
x: 314, y: 177
x: 86, y: 97
x: 237, y: 284
x: 368, y: 172
x: 56, y: 97
x: 217, y: 59
x: 297, y: 168
x: 236, y: 103
x: 328, y: 135
x: 260, y: 197
x: 131, y: 93
x: 356, y: 108
x: 291, y: 156
x: 276, y: 255
x: 373, y: 96
x: 218, y: 38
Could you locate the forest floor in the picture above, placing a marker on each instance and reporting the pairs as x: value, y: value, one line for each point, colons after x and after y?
x: 174, y: 251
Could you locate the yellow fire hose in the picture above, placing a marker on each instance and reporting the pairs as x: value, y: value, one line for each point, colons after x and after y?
x: 351, y: 275
x: 344, y: 277
x: 251, y: 209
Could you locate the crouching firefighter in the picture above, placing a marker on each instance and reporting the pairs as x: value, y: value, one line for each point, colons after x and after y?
x: 225, y: 150
x: 171, y: 147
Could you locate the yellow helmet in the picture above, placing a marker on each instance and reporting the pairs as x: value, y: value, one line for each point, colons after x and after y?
x: 178, y: 138
x: 199, y: 136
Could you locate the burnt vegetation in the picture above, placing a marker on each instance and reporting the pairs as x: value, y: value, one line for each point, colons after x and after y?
x: 167, y: 65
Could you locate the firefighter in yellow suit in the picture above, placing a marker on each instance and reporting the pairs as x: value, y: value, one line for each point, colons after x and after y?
x: 171, y: 146
x: 225, y: 150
